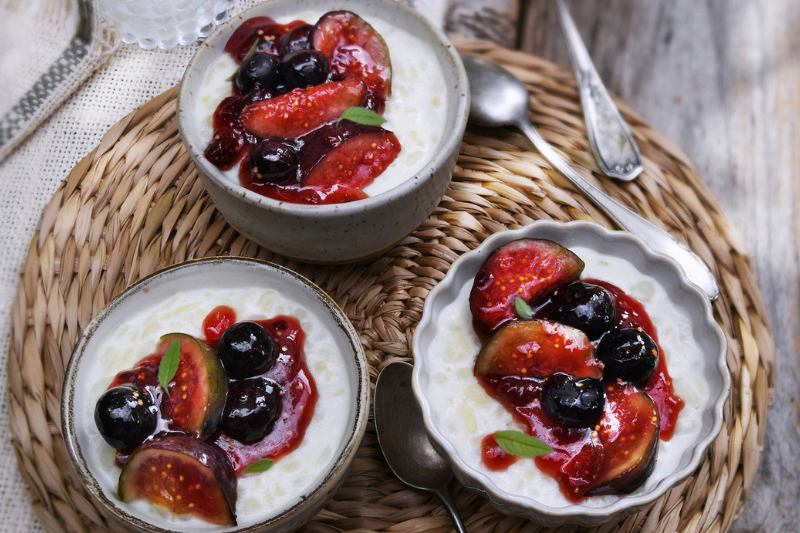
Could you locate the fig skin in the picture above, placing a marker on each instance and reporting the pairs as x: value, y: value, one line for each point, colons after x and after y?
x: 175, y: 461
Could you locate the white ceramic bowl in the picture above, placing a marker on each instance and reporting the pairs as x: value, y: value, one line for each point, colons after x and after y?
x: 458, y: 413
x: 292, y: 294
x: 340, y: 232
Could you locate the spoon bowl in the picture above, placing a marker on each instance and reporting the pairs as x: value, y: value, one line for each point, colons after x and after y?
x: 497, y: 98
x: 500, y: 99
x: 404, y: 440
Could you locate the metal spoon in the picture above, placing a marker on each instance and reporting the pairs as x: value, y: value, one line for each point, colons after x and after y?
x: 500, y: 99
x: 612, y: 143
x: 404, y: 441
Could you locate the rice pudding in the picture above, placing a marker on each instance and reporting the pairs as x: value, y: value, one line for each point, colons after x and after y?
x: 292, y: 477
x: 416, y: 111
x: 464, y: 413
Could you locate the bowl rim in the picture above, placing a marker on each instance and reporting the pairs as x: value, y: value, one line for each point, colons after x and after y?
x: 340, y: 465
x: 449, y: 143
x: 569, y: 513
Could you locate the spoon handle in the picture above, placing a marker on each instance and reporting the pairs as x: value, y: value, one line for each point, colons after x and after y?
x: 612, y: 143
x: 447, y: 500
x: 659, y: 240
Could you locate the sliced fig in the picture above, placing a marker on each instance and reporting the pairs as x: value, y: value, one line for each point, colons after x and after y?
x: 538, y: 349
x: 355, y: 162
x: 184, y: 474
x: 319, y: 143
x: 197, y: 391
x: 354, y: 48
x: 629, y: 433
x: 526, y: 268
x: 302, y: 110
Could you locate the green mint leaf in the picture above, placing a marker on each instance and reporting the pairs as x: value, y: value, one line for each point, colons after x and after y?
x: 361, y: 115
x: 249, y: 53
x: 169, y: 365
x: 523, y: 309
x: 259, y: 466
x: 520, y: 444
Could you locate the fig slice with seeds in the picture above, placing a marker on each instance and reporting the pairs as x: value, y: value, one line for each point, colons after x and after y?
x: 354, y: 48
x: 302, y: 110
x: 629, y: 433
x: 196, y: 393
x: 538, y: 349
x: 526, y: 268
x: 355, y: 162
x: 184, y: 474
x: 198, y: 390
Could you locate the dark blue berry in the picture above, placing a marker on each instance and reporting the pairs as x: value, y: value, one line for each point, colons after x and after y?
x: 628, y: 354
x: 251, y: 409
x: 125, y: 416
x: 273, y: 162
x: 246, y: 350
x: 573, y: 402
x: 587, y: 307
x: 259, y: 70
x: 305, y: 68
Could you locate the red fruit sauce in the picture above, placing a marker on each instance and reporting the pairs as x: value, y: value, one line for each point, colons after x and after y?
x: 582, y: 455
x: 494, y: 457
x: 232, y: 143
x: 631, y: 314
x: 298, y: 391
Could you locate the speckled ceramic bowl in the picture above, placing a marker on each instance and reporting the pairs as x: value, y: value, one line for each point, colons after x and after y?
x: 458, y: 413
x: 94, y: 360
x: 340, y: 232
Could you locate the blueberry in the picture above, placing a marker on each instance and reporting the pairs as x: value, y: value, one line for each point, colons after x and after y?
x: 295, y: 39
x: 251, y: 409
x: 125, y: 416
x: 273, y: 162
x: 305, y: 68
x: 259, y: 70
x: 573, y: 402
x: 628, y: 354
x: 585, y: 306
x: 246, y: 350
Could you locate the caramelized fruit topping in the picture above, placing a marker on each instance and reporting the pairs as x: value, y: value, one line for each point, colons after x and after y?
x: 186, y: 475
x: 526, y: 268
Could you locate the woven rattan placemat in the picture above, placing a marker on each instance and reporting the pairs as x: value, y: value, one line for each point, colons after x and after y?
x: 135, y: 205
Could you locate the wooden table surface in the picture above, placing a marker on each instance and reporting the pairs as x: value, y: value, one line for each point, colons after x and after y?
x: 722, y: 79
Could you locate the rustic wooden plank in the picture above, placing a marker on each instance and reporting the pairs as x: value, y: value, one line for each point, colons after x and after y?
x: 721, y: 78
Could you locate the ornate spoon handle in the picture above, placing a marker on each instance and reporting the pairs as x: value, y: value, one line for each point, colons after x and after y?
x: 611, y: 140
x: 659, y: 240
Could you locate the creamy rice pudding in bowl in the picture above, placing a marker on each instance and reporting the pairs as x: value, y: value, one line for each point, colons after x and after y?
x: 515, y: 343
x: 222, y: 394
x: 259, y: 109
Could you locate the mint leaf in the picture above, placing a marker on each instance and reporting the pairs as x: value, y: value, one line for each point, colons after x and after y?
x: 523, y: 309
x: 249, y: 53
x: 520, y: 444
x: 169, y: 365
x: 262, y: 465
x: 361, y: 115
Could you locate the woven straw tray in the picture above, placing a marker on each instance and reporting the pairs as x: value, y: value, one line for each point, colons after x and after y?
x: 135, y: 205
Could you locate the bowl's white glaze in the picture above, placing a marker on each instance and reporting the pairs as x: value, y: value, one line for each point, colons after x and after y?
x: 224, y: 274
x: 686, y: 297
x: 340, y: 232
